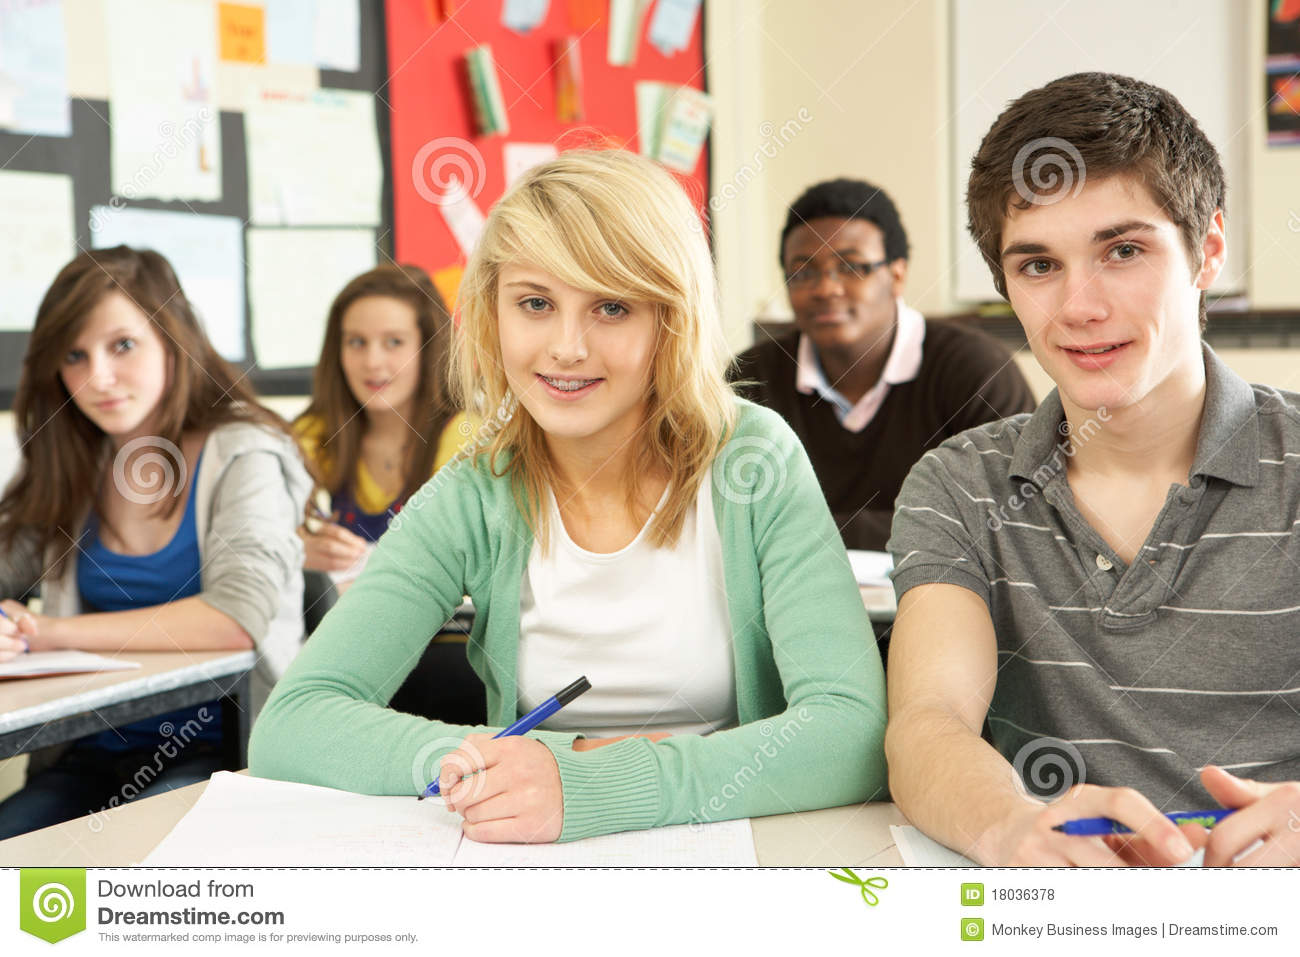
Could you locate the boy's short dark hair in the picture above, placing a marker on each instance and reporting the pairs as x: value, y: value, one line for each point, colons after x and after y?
x: 848, y: 199
x: 1093, y: 125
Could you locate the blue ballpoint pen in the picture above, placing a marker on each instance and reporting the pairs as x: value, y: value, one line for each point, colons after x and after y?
x: 532, y: 719
x: 1092, y: 826
x: 4, y: 614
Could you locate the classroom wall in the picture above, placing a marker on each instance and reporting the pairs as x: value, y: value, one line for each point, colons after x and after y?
x: 880, y: 102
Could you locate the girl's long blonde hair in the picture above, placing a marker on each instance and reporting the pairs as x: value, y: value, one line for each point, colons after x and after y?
x: 615, y: 224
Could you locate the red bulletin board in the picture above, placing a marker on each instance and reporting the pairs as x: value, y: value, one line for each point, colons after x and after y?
x: 429, y: 93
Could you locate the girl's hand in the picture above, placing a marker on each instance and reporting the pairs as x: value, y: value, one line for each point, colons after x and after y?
x: 17, y: 631
x: 591, y: 744
x: 332, y: 549
x: 514, y: 798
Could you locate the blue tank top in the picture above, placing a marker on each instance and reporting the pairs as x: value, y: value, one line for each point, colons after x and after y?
x: 111, y: 581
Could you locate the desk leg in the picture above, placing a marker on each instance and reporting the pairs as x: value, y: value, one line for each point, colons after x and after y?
x: 235, y: 705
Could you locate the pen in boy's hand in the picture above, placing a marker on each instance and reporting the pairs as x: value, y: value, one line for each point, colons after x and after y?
x: 1093, y: 826
x: 531, y: 720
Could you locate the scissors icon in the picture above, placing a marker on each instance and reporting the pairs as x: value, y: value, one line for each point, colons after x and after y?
x: 868, y: 894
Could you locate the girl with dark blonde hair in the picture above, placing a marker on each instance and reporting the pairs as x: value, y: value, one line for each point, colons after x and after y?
x: 154, y: 507
x: 625, y: 517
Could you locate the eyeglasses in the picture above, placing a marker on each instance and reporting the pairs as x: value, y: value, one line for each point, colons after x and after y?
x: 843, y: 271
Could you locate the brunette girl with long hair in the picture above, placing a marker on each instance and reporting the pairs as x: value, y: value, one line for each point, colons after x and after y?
x: 154, y: 506
x: 381, y: 419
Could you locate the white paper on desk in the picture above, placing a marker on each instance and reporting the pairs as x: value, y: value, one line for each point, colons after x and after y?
x: 918, y: 850
x: 37, y: 240
x: 723, y: 844
x: 207, y: 253
x: 313, y: 159
x: 288, y: 301
x: 251, y: 822
x: 34, y: 69
x: 39, y: 663
x: 871, y: 568
x: 166, y: 130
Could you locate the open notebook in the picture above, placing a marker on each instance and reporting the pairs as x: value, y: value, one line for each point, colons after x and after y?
x: 253, y: 822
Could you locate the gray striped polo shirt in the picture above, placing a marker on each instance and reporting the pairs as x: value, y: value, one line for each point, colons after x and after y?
x: 1132, y: 675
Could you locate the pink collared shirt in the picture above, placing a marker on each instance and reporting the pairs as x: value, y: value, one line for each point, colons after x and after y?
x: 902, y: 365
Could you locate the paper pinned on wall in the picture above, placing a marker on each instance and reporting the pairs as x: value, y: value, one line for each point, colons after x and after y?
x: 522, y: 16
x: 287, y: 299
x: 207, y: 253
x: 322, y: 33
x: 683, y: 127
x: 462, y: 215
x: 314, y: 159
x: 166, y: 132
x: 519, y: 158
x: 672, y: 24
x: 240, y: 85
x: 34, y: 69
x: 84, y: 32
x: 38, y: 239
x: 625, y: 19
x: 243, y: 32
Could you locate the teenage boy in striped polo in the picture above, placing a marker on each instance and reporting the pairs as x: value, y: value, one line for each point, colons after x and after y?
x: 1112, y: 582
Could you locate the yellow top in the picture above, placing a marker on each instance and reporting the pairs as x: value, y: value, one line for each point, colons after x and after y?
x: 456, y: 434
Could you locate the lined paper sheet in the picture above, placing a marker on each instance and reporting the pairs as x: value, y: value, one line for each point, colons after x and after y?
x: 724, y: 844
x: 246, y: 821
x: 250, y: 822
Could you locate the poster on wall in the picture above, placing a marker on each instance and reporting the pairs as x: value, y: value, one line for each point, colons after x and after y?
x: 1282, y: 73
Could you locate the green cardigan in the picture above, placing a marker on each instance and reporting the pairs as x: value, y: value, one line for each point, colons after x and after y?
x: 810, y: 691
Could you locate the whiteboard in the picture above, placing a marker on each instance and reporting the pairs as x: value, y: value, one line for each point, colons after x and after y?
x: 1196, y: 49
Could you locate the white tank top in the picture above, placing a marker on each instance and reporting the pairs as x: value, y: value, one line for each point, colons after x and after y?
x: 649, y: 627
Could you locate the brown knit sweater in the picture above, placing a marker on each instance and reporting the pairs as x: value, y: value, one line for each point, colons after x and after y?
x: 965, y: 379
